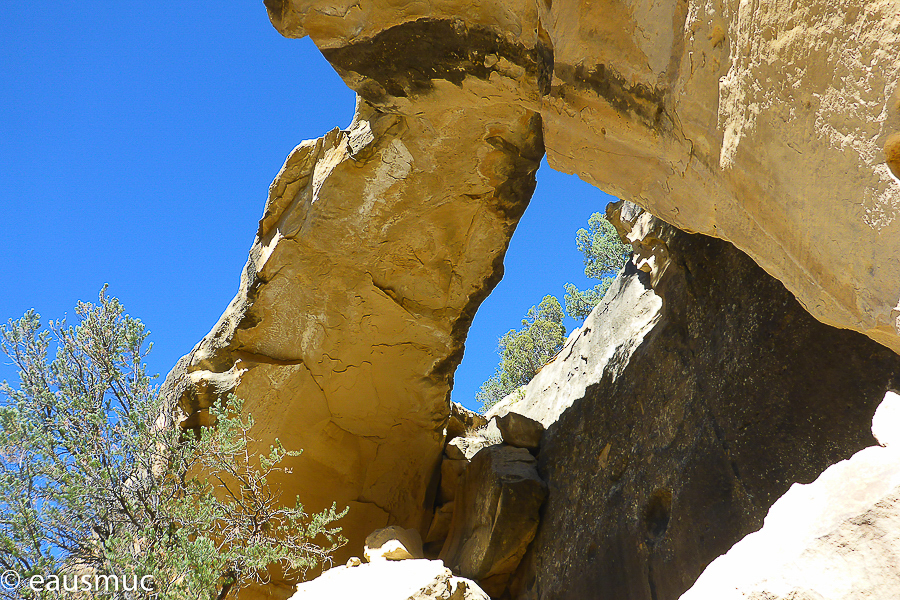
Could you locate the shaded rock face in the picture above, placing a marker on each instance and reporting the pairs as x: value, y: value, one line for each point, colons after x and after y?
x: 836, y: 538
x: 774, y: 126
x: 393, y: 543
x: 520, y: 431
x: 495, y: 516
x: 362, y: 281
x: 604, y: 343
x: 682, y: 442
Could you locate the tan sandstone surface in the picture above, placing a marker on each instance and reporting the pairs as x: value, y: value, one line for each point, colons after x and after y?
x: 365, y: 273
x: 762, y: 123
x: 773, y: 125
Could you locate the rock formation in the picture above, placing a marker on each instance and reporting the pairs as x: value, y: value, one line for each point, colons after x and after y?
x: 495, y: 516
x: 772, y: 125
x: 366, y: 270
x: 390, y: 580
x: 665, y: 448
x: 393, y: 543
x: 836, y: 538
x: 520, y: 431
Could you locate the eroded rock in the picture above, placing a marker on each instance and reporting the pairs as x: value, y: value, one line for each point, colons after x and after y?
x: 362, y: 281
x: 451, y: 470
x: 440, y: 526
x: 393, y: 543
x: 721, y: 117
x: 463, y: 421
x: 495, y: 516
x: 603, y: 345
x: 837, y: 537
x: 465, y: 448
x: 733, y: 120
x: 673, y: 445
x: 390, y: 580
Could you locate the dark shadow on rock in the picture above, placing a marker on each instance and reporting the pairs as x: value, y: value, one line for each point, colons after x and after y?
x: 736, y: 394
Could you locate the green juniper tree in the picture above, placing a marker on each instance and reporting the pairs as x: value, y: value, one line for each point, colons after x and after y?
x: 604, y: 254
x: 524, y: 352
x: 98, y: 482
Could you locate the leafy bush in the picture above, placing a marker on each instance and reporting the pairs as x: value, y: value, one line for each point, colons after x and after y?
x: 97, y: 480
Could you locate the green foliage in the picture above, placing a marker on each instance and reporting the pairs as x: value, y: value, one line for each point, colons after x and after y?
x: 524, y: 352
x: 96, y: 479
x: 604, y: 254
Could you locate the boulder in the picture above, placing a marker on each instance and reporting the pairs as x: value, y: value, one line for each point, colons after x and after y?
x: 836, y: 538
x: 495, y: 516
x: 440, y: 525
x: 520, y: 431
x: 390, y: 580
x: 393, y: 543
x: 674, y: 444
x: 463, y: 421
x: 464, y: 448
x: 450, y: 474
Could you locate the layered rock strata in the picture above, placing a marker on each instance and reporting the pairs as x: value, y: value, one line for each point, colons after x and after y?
x: 772, y: 125
x: 673, y: 444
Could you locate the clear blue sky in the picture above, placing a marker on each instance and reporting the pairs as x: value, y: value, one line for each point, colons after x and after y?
x: 138, y: 143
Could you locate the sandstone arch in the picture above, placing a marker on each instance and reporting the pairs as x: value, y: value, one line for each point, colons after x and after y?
x: 765, y: 124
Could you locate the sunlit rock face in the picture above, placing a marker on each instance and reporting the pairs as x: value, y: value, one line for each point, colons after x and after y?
x: 368, y: 265
x: 764, y: 124
x: 772, y: 125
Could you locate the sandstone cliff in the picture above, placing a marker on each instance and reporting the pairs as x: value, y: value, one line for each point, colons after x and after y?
x: 366, y: 270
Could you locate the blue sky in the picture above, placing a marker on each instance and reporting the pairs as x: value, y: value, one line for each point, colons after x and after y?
x: 137, y: 149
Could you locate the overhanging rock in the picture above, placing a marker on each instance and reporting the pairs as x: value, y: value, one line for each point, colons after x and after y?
x: 773, y: 125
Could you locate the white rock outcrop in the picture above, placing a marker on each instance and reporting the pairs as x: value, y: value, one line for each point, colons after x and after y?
x: 837, y: 538
x: 390, y: 580
x: 393, y: 543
